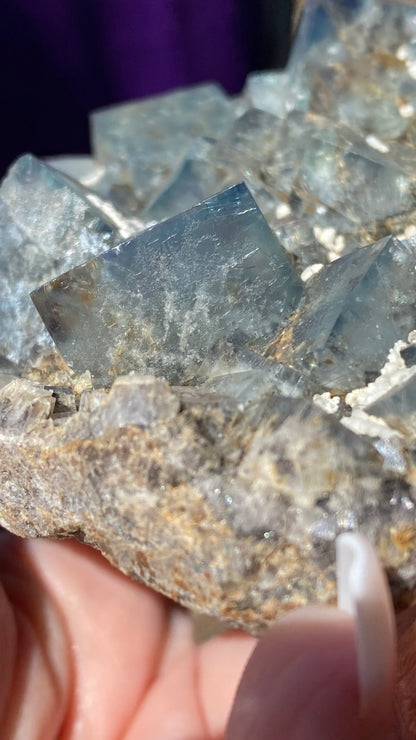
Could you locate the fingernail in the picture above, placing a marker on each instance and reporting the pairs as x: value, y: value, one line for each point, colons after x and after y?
x: 364, y: 593
x: 324, y: 673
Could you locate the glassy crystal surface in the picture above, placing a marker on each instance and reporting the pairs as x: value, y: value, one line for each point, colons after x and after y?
x: 292, y: 484
x: 47, y: 225
x: 248, y: 385
x: 345, y: 54
x: 229, y: 368
x: 198, y: 176
x: 269, y: 91
x: 346, y: 174
x: 82, y: 168
x: 257, y: 148
x: 159, y: 301
x: 359, y: 306
x: 147, y: 139
x: 409, y: 355
x: 398, y: 407
x: 267, y: 147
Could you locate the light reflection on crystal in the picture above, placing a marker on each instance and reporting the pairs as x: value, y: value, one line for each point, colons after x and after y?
x: 161, y: 300
x: 47, y: 225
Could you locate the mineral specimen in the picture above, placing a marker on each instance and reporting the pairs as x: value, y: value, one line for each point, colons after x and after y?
x: 234, y: 392
x: 230, y: 511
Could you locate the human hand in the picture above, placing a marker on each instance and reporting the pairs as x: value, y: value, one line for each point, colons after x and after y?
x: 330, y: 674
x: 89, y: 654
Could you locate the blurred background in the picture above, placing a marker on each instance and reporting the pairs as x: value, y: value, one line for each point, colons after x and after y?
x: 60, y: 59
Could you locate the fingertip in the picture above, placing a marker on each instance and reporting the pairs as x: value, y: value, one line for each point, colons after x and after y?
x: 363, y: 592
x: 8, y: 640
x: 301, y: 681
x: 324, y: 672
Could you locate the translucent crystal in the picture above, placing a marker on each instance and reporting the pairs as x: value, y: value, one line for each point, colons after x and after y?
x: 346, y: 479
x: 159, y: 301
x: 267, y: 147
x: 47, y: 225
x: 147, y: 139
x: 229, y: 368
x: 346, y: 174
x: 197, y: 177
x: 249, y: 385
x: 409, y: 355
x: 257, y: 148
x: 398, y: 408
x: 359, y: 306
x: 298, y: 238
x: 82, y: 168
x: 343, y: 55
x: 270, y: 91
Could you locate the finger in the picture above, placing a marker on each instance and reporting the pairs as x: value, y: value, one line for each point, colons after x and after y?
x: 8, y: 643
x: 40, y: 681
x: 221, y: 662
x: 192, y: 694
x: 170, y: 710
x: 303, y: 680
x: 115, y: 634
x: 406, y: 681
x: 364, y: 593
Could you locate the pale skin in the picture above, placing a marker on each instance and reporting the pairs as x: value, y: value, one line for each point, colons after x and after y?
x: 87, y: 653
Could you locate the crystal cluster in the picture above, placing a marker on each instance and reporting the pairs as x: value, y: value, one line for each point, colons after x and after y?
x: 230, y: 284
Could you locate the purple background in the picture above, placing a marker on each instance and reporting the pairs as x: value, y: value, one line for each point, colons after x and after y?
x: 61, y: 58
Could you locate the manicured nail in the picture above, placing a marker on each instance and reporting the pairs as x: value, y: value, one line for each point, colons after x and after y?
x: 364, y: 593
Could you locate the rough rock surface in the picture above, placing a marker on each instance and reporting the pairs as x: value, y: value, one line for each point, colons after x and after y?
x: 225, y: 511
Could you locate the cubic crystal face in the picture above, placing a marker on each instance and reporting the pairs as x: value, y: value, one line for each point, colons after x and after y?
x: 47, y: 225
x: 148, y: 138
x: 197, y: 178
x: 159, y: 301
x: 354, y: 179
x: 398, y: 407
x: 360, y: 306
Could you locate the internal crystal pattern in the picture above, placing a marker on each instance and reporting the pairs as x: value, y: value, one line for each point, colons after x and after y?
x: 47, y: 225
x: 359, y: 306
x: 147, y: 139
x: 159, y: 301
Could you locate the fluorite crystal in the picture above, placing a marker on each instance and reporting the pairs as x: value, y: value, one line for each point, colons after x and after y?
x: 236, y: 378
x: 46, y: 224
x: 398, y: 407
x: 360, y: 305
x: 159, y: 301
x: 144, y: 141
